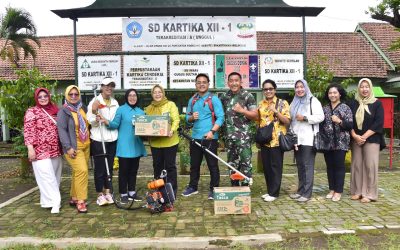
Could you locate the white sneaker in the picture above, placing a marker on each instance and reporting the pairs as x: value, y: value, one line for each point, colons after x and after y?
x: 294, y: 196
x: 269, y: 198
x: 101, y: 200
x: 55, y: 210
x: 264, y: 196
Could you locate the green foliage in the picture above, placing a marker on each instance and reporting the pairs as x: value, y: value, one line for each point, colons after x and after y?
x: 388, y: 11
x: 19, y: 32
x: 319, y: 77
x: 16, y: 96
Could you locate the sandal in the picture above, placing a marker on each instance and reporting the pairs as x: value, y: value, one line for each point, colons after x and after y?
x: 365, y: 200
x: 73, y: 202
x: 81, y: 207
x: 356, y: 197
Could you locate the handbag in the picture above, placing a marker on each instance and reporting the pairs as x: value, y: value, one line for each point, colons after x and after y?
x: 287, y: 141
x: 264, y: 134
x: 382, y: 144
x: 321, y: 141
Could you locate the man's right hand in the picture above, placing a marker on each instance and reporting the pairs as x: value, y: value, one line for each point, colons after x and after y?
x: 195, y: 116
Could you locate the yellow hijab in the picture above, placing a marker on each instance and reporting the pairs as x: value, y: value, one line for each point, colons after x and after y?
x: 363, y: 101
x: 155, y: 107
x: 68, y: 89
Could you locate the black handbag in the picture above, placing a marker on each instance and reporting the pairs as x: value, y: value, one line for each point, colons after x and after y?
x: 287, y: 141
x: 264, y: 134
x: 321, y: 141
x: 382, y: 144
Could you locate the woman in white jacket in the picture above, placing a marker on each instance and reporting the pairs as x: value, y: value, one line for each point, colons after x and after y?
x: 106, y: 106
x: 306, y: 112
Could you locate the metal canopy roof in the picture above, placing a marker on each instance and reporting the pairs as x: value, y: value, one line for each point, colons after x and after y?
x: 141, y: 8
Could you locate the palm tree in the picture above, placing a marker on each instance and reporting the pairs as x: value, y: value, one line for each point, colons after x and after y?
x: 17, y: 31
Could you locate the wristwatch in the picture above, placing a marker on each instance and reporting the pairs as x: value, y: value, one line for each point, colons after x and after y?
x: 305, y: 118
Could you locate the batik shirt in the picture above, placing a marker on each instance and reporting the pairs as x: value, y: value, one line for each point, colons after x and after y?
x: 237, y: 126
x: 339, y: 135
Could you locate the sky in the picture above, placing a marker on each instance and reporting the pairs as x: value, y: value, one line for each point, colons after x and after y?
x: 338, y: 16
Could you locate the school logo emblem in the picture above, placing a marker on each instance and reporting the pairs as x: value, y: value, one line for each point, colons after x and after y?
x: 134, y: 30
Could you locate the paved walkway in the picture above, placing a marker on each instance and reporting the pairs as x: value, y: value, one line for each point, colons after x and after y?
x: 194, y: 216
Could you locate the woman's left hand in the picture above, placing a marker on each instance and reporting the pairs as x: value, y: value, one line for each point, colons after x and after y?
x: 171, y: 133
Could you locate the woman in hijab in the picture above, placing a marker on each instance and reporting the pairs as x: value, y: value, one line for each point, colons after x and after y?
x: 164, y: 149
x: 306, y: 113
x: 74, y: 136
x: 367, y: 134
x: 44, y: 151
x: 129, y: 146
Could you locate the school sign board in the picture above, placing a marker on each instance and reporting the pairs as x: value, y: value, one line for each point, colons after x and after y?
x: 145, y: 71
x: 93, y: 69
x: 184, y: 69
x: 284, y: 69
x: 246, y: 65
x: 189, y: 34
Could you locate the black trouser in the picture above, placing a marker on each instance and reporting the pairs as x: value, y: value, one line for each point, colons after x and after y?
x: 305, y: 159
x: 335, y: 169
x: 272, y: 160
x: 100, y: 172
x: 128, y: 168
x: 196, y: 157
x: 165, y: 158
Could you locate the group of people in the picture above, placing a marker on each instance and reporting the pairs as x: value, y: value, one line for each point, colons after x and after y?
x: 50, y: 132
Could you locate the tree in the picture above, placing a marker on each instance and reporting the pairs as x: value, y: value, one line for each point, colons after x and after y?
x: 388, y: 11
x: 319, y: 77
x: 18, y: 32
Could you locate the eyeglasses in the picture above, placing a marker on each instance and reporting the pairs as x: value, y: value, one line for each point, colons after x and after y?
x: 42, y: 97
x: 268, y: 89
x: 132, y: 95
x: 73, y: 94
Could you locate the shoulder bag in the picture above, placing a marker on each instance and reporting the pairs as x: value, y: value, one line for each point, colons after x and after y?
x: 321, y: 141
x: 264, y: 134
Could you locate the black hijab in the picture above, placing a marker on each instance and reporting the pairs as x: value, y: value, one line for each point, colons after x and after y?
x: 126, y: 98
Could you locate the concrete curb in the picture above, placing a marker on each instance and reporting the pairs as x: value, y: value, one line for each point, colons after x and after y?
x: 134, y: 243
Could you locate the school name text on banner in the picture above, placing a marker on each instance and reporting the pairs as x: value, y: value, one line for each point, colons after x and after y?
x: 189, y: 34
x: 93, y: 69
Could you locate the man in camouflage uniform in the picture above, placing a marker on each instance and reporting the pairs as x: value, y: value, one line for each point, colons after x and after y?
x: 240, y: 108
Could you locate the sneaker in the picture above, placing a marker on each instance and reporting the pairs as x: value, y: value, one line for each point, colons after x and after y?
x: 55, y: 210
x: 210, y: 195
x: 135, y: 197
x: 124, y: 199
x: 189, y: 191
x: 101, y: 200
x: 294, y: 196
x: 109, y: 198
x: 302, y: 199
x: 269, y: 198
x: 264, y: 196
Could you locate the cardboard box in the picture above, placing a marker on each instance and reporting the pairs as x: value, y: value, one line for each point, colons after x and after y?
x: 152, y: 125
x: 232, y: 200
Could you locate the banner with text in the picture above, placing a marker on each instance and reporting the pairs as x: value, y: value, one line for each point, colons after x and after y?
x: 284, y: 69
x: 246, y: 65
x: 189, y: 33
x: 184, y: 68
x: 145, y: 71
x: 93, y: 69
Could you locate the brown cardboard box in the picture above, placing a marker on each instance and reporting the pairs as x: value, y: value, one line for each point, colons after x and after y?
x: 232, y: 200
x: 152, y: 125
